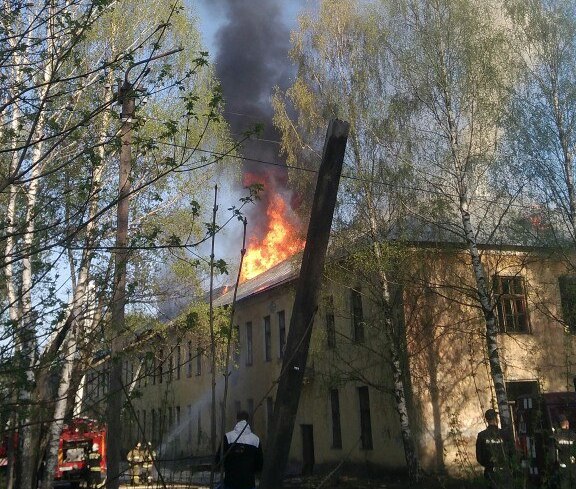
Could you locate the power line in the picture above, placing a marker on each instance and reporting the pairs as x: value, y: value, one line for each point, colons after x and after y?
x: 347, y: 176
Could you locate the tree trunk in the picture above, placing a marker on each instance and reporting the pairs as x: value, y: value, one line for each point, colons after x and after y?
x: 490, y: 321
x: 55, y: 427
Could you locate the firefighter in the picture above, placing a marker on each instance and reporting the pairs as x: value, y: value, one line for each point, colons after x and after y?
x: 564, y: 455
x: 135, y: 459
x: 149, y: 456
x: 94, y: 459
x: 491, y: 452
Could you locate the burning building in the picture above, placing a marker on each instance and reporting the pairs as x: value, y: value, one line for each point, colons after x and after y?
x: 347, y: 409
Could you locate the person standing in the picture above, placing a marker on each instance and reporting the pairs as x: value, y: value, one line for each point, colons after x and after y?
x: 149, y: 456
x: 564, y: 455
x: 241, y: 455
x: 491, y: 452
x: 135, y: 459
x: 94, y: 469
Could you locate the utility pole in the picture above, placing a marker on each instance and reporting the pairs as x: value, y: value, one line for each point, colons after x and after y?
x: 116, y: 387
x: 126, y: 97
x: 305, y: 304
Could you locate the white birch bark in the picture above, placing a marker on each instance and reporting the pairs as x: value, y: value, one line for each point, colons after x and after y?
x: 55, y: 428
x: 463, y: 170
x: 79, y: 312
x: 391, y: 333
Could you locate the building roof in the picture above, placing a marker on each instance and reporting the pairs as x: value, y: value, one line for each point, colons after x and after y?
x: 279, y: 274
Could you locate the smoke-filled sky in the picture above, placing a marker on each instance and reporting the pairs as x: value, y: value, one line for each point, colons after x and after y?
x: 248, y: 41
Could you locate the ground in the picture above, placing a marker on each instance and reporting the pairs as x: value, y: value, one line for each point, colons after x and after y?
x: 201, y: 481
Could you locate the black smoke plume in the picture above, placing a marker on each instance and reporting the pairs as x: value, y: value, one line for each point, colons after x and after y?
x: 252, y: 58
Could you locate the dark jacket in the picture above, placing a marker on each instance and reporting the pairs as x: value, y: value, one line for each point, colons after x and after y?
x: 565, y: 448
x: 490, y: 448
x: 243, y: 457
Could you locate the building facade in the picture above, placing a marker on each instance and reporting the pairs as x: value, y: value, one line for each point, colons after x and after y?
x: 347, y: 409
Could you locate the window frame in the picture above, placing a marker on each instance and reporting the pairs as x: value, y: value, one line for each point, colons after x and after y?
x: 335, y: 414
x: 509, y: 301
x: 565, y: 283
x: 330, y: 322
x: 366, y: 436
x: 267, y: 339
x: 281, y: 315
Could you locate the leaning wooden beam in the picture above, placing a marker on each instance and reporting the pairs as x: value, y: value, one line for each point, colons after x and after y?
x: 305, y: 304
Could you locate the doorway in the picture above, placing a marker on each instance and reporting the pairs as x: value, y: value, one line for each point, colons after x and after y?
x: 307, y: 431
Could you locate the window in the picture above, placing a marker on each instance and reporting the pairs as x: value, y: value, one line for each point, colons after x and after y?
x: 267, y: 339
x: 170, y: 367
x: 517, y: 388
x: 178, y: 361
x: 281, y: 333
x: 365, y: 421
x: 567, y: 286
x: 237, y: 407
x: 357, y: 316
x: 330, y: 324
x: 189, y: 360
x: 144, y: 422
x: 199, y: 429
x: 249, y: 358
x: 335, y: 409
x: 511, y: 304
x: 153, y: 427
x: 198, y: 361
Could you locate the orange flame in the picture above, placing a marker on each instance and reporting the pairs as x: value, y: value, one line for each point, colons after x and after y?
x: 280, y: 242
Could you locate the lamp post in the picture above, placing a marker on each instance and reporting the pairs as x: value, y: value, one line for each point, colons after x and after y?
x: 126, y: 97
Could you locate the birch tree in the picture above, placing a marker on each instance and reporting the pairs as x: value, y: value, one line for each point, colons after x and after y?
x: 456, y: 69
x: 58, y: 146
x: 543, y: 113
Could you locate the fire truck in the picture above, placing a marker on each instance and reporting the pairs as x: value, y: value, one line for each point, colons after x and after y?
x: 75, y: 446
x: 77, y: 441
x: 535, y: 421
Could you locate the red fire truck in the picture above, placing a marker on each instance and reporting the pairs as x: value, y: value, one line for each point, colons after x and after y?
x: 535, y: 421
x: 77, y: 441
x: 75, y: 450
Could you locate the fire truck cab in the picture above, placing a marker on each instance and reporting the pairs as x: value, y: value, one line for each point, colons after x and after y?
x: 535, y: 421
x: 81, y: 441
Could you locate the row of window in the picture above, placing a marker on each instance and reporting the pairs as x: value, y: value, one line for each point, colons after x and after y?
x: 158, y: 423
x: 249, y: 339
x: 153, y: 369
x: 357, y: 330
x: 364, y: 417
x: 511, y: 309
